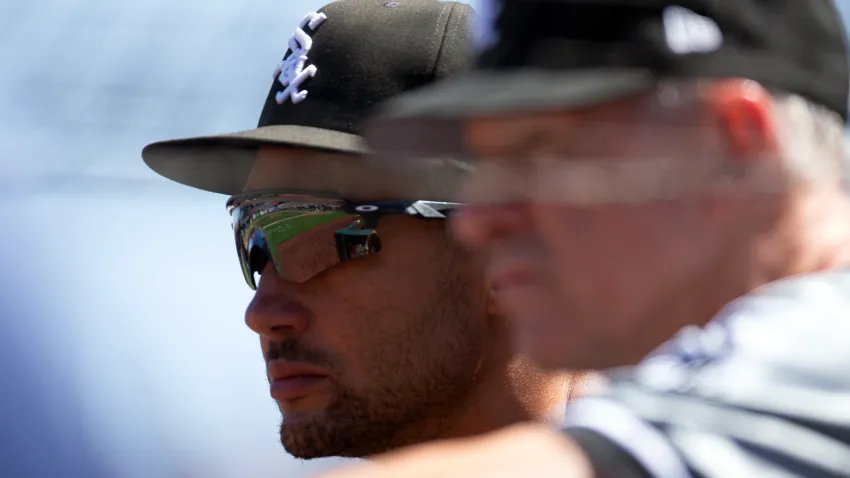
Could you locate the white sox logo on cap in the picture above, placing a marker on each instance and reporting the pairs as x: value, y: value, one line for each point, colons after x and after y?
x: 291, y: 71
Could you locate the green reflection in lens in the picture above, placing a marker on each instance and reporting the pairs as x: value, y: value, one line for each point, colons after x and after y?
x: 281, y: 226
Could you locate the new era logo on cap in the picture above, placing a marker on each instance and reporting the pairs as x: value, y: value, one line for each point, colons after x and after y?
x: 688, y: 32
x: 685, y: 30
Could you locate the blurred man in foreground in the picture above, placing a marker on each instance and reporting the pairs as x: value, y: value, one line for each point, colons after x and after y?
x: 640, y: 168
x: 377, y: 330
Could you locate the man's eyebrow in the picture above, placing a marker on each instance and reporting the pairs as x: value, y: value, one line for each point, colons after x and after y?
x: 543, y: 140
x: 536, y: 141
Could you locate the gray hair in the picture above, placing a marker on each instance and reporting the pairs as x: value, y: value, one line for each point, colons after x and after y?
x: 811, y: 140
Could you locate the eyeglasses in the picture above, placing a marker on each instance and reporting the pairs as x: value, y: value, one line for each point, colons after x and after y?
x: 304, y: 236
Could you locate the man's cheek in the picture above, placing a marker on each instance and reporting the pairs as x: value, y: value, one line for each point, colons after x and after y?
x: 534, y: 319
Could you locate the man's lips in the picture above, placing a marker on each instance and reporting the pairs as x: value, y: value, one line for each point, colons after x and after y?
x: 291, y: 380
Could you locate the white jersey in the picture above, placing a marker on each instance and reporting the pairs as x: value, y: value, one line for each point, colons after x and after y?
x: 762, y: 391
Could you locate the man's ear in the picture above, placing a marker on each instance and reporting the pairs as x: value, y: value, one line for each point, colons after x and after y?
x: 498, y: 325
x: 495, y: 312
x: 494, y: 308
x: 744, y: 112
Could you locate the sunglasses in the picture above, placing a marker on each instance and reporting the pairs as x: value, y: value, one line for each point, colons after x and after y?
x: 303, y: 236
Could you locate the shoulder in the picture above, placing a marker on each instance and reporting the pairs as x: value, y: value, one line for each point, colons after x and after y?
x: 774, y: 360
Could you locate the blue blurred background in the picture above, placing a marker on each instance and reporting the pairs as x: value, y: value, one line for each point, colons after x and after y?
x: 120, y: 355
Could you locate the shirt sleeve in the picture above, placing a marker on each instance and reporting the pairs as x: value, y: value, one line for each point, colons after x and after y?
x: 608, y: 459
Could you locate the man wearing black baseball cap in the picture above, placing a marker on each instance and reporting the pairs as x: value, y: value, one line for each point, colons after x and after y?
x: 638, y: 169
x: 378, y: 332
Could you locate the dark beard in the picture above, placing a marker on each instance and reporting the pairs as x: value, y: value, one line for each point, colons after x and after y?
x: 421, y: 380
x: 356, y: 427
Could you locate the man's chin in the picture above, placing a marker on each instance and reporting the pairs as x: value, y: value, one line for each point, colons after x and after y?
x: 309, y: 443
x: 305, y: 439
x: 323, y: 436
x: 309, y: 435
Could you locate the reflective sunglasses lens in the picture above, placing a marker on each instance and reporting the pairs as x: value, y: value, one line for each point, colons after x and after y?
x: 300, y: 239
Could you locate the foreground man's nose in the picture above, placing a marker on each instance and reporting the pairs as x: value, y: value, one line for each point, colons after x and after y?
x: 478, y: 225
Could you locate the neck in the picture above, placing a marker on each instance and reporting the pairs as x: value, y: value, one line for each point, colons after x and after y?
x: 500, y: 400
x: 518, y: 392
x: 813, y: 237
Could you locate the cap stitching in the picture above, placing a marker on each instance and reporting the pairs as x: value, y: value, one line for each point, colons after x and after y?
x: 435, y: 54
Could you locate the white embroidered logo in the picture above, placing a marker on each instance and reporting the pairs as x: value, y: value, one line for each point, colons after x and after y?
x: 689, y: 32
x: 291, y: 72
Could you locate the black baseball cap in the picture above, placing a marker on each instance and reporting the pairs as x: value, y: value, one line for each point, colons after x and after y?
x: 342, y: 61
x: 546, y: 54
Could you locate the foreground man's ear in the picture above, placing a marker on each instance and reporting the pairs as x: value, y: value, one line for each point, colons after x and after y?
x: 744, y: 112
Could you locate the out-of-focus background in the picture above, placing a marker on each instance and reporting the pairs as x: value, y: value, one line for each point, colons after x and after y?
x: 123, y: 351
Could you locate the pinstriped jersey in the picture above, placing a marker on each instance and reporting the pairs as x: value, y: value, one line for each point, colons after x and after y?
x: 762, y: 391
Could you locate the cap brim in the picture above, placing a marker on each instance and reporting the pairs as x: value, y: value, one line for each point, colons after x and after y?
x: 404, y: 122
x: 222, y: 163
x: 487, y: 92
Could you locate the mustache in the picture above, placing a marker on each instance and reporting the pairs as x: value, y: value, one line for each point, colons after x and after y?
x: 293, y: 351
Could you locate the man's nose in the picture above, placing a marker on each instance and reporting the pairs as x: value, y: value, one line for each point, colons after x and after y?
x: 481, y: 225
x: 275, y: 312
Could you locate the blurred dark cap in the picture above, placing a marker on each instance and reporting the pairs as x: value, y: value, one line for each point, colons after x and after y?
x: 541, y: 54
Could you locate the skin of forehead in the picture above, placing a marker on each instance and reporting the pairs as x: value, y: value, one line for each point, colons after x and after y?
x: 336, y: 175
x: 517, y: 133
